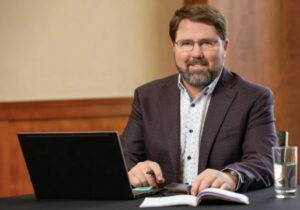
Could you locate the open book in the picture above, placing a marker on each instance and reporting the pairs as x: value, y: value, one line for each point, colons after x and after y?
x: 191, y: 200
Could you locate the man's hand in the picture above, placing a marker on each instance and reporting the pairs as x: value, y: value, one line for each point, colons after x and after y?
x: 147, y: 173
x: 214, y: 178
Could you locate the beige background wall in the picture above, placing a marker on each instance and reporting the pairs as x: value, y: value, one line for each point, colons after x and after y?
x: 64, y: 49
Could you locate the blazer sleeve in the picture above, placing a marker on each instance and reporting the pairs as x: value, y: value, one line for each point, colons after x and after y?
x: 132, y: 138
x: 260, y: 136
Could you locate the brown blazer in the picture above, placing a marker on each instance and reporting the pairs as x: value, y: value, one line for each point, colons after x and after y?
x: 238, y: 131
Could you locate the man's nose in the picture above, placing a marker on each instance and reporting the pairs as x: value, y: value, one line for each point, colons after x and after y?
x: 197, y: 51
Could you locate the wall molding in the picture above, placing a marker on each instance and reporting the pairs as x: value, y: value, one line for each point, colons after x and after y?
x: 58, y: 115
x: 61, y: 109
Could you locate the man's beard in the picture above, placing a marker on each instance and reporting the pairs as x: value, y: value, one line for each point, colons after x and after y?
x: 198, y: 78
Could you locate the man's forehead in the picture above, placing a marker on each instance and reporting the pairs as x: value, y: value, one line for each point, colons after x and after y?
x: 192, y: 28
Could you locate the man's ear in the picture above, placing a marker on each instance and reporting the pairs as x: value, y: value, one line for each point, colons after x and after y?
x: 225, y: 44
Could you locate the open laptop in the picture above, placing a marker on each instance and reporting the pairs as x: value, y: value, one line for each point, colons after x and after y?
x: 77, y: 165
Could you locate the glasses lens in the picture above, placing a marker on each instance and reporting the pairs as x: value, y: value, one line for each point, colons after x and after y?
x: 186, y: 45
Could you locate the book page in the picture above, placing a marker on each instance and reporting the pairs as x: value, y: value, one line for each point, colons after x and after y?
x: 210, y: 193
x: 174, y: 200
x: 216, y: 193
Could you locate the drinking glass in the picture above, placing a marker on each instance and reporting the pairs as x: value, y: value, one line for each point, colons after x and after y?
x: 285, y: 171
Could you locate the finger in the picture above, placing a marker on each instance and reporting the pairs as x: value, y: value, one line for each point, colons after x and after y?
x: 134, y: 177
x: 150, y: 176
x: 151, y: 179
x: 147, y: 178
x: 196, y: 184
x: 195, y: 187
x: 203, y: 180
x: 134, y: 181
x: 143, y: 178
x: 137, y: 177
x: 204, y: 184
x: 157, y: 172
x: 217, y: 183
x: 225, y: 186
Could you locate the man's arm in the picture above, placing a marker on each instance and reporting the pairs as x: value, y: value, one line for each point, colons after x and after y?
x: 132, y: 138
x: 255, y: 165
x: 260, y: 136
x: 142, y: 172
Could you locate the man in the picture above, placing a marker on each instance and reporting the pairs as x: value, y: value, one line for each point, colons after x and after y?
x: 206, y: 126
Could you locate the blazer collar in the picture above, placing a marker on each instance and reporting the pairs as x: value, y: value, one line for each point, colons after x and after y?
x: 221, y: 100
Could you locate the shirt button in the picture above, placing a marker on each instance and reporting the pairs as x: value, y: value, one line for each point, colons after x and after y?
x: 205, y: 93
x: 191, y: 130
x: 189, y: 157
x: 192, y: 105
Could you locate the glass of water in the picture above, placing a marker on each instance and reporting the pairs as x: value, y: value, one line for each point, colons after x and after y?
x: 285, y: 171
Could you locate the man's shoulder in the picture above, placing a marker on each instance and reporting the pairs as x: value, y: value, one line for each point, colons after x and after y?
x: 249, y: 87
x: 159, y: 83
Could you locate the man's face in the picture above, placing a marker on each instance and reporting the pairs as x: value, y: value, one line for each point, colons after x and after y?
x: 200, y: 65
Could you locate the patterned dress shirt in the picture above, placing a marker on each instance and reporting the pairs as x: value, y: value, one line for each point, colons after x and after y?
x: 192, y: 118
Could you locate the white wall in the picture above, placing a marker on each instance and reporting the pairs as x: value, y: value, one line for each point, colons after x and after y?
x: 65, y: 49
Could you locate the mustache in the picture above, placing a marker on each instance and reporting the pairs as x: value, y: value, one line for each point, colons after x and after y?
x: 202, y: 62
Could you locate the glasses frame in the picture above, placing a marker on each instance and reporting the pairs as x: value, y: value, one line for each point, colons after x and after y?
x: 204, y: 44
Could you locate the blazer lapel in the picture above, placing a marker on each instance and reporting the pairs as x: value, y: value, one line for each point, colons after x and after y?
x: 220, y: 102
x: 170, y: 115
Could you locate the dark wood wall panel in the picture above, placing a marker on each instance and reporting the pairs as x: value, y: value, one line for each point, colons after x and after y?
x: 265, y: 48
x: 289, y: 99
x: 70, y: 115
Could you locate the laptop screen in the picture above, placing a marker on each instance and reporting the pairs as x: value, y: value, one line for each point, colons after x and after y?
x: 87, y: 165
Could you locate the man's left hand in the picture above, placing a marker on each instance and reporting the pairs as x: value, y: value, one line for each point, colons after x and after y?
x: 214, y: 178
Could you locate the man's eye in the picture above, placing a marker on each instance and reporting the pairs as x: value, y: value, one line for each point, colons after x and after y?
x: 207, y: 44
x: 187, y: 43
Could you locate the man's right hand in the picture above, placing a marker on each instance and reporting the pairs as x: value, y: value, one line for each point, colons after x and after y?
x: 147, y: 173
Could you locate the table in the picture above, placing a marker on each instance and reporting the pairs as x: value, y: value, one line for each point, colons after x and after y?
x: 259, y: 200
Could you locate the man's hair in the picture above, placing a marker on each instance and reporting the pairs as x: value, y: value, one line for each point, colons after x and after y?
x: 199, y: 13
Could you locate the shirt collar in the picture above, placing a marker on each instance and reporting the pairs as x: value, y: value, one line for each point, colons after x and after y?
x: 208, y: 90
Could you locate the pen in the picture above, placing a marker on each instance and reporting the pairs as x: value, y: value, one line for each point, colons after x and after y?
x: 150, y: 173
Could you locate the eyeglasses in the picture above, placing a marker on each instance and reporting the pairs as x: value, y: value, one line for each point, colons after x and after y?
x: 206, y: 44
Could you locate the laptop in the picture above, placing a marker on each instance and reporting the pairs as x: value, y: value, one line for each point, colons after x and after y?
x: 77, y: 165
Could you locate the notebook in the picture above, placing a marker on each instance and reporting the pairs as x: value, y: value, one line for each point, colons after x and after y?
x: 77, y: 165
